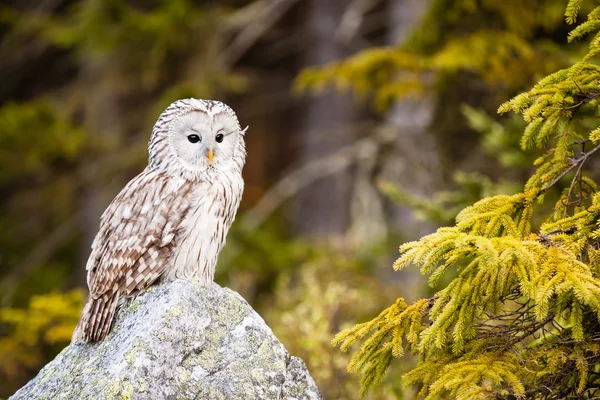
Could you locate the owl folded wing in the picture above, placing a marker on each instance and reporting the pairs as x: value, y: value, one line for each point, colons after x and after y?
x: 137, y: 234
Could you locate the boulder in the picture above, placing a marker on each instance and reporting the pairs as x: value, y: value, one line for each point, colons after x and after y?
x: 178, y: 340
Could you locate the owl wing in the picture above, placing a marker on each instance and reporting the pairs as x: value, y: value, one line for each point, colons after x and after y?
x: 137, y: 233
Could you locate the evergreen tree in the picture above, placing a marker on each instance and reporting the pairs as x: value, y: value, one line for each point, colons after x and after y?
x: 521, y: 317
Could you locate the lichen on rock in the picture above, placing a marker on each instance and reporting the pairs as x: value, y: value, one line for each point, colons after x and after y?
x: 182, y: 340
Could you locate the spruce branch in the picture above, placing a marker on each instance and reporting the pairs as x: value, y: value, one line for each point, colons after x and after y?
x: 521, y: 317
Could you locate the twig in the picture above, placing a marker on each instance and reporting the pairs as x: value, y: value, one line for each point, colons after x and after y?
x: 577, y: 173
x: 582, y: 102
x: 532, y: 329
x: 576, y: 163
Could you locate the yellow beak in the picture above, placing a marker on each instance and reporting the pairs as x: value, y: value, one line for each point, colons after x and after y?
x: 211, y: 155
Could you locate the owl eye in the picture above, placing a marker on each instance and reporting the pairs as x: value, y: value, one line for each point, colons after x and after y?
x: 219, y: 138
x: 194, y: 138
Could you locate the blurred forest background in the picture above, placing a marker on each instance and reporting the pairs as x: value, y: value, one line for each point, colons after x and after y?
x: 372, y: 122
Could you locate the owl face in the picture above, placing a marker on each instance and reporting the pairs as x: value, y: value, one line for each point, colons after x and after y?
x: 204, y: 141
x: 196, y: 137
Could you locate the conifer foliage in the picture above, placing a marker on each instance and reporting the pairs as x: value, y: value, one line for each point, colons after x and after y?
x: 521, y: 319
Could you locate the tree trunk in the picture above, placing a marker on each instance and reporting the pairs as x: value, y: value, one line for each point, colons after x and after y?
x: 322, y: 209
x: 416, y: 165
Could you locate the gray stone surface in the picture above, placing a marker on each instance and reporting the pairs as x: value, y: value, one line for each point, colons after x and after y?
x: 180, y: 340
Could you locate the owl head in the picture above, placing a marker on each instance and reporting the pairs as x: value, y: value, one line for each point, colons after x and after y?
x: 197, y: 137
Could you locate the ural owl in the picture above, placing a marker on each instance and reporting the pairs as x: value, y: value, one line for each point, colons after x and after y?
x: 171, y: 220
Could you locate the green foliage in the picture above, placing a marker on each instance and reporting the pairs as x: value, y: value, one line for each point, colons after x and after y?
x: 34, y: 135
x: 503, y: 56
x: 550, y: 109
x: 369, y: 72
x: 572, y: 10
x: 33, y: 334
x: 522, y: 315
x: 396, y: 322
x: 141, y: 47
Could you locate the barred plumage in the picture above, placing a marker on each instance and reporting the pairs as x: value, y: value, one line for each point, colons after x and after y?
x: 171, y: 220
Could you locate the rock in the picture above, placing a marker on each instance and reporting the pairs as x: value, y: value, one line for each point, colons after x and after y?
x: 179, y: 340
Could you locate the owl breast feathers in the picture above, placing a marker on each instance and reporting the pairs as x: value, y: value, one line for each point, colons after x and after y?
x: 171, y: 220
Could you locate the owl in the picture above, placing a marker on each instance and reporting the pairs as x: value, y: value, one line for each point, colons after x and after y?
x: 170, y: 221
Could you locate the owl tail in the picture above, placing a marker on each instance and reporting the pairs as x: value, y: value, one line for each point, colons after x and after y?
x: 96, y: 318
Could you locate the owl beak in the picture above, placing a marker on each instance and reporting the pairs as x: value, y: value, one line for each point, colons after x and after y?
x: 211, y: 155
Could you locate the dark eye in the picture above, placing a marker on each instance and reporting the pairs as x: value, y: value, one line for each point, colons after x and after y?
x: 219, y: 138
x: 194, y: 138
